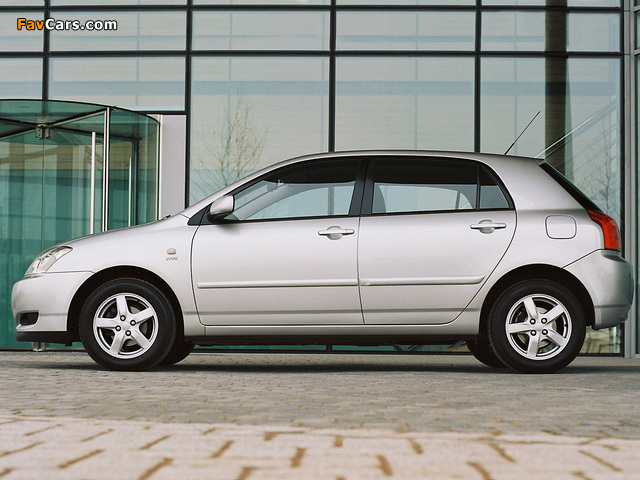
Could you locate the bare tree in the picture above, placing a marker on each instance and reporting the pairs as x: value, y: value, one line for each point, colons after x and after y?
x: 233, y: 148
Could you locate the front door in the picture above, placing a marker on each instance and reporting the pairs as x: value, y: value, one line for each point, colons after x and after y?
x: 286, y: 255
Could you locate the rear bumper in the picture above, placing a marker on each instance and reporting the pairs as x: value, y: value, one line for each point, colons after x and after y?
x: 40, y: 306
x: 609, y: 280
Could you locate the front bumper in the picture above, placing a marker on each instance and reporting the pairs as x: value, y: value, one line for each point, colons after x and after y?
x: 40, y: 306
x: 609, y: 280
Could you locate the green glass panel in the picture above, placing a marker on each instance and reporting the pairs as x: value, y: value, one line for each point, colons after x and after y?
x: 46, y: 183
x: 21, y: 201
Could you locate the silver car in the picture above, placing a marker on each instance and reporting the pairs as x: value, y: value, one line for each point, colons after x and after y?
x: 358, y: 248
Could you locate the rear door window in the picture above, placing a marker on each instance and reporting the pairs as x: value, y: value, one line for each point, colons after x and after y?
x: 416, y: 185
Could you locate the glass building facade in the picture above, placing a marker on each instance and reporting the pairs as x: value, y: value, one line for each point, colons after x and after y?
x: 260, y: 81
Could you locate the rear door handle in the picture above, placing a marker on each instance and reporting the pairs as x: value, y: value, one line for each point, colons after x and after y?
x: 336, y: 232
x: 488, y: 226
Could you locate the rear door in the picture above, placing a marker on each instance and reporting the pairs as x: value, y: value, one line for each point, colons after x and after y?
x: 431, y: 233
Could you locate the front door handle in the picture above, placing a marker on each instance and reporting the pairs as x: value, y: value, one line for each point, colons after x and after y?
x: 335, y: 232
x: 488, y: 226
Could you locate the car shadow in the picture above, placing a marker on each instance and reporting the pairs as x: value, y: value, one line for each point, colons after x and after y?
x: 296, y: 363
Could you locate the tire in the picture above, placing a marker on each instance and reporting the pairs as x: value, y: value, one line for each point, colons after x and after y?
x: 178, y: 352
x: 482, y: 351
x: 127, y: 324
x: 537, y: 326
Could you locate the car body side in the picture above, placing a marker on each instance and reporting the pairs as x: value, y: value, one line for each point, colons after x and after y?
x: 160, y: 252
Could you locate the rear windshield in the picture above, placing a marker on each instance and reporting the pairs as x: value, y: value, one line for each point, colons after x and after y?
x: 571, y: 189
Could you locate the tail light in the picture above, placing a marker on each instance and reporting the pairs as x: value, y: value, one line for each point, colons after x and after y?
x: 609, y: 229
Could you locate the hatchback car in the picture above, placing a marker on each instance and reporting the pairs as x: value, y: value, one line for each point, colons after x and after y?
x: 357, y: 248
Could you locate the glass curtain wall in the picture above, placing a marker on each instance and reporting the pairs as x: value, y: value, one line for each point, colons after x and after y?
x: 401, y: 74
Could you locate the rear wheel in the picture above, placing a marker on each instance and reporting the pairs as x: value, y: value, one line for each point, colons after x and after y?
x: 481, y: 350
x: 127, y: 324
x: 537, y: 326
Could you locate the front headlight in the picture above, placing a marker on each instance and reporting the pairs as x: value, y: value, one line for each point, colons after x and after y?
x: 46, y: 259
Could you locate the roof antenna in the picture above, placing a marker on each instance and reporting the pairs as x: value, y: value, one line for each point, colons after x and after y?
x: 525, y: 129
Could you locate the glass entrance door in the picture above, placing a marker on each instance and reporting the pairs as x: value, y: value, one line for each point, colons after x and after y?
x: 53, y: 187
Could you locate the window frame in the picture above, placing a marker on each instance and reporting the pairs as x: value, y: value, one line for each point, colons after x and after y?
x: 354, y: 207
x: 367, y: 204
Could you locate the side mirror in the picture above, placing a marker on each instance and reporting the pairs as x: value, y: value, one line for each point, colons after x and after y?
x: 222, y: 206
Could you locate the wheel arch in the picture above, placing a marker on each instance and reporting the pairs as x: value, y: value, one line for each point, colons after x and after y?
x: 99, y: 278
x: 538, y: 272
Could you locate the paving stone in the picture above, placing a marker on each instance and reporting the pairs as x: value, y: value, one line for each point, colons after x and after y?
x: 334, y: 417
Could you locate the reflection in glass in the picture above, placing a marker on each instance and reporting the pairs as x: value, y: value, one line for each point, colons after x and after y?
x: 530, y: 31
x: 439, y: 30
x: 144, y: 83
x: 21, y: 77
x: 584, y: 144
x: 514, y: 90
x: 251, y: 112
x: 410, y: 103
x: 136, y: 31
x: 261, y: 31
x: 14, y: 40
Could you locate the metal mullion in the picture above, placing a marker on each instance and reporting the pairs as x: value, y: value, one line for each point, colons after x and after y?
x: 405, y: 53
x: 551, y: 8
x: 46, y: 48
x: 116, y: 53
x: 114, y: 8
x: 477, y: 79
x: 405, y: 8
x: 333, y: 35
x: 37, y: 54
x: 105, y: 169
x: 188, y: 74
x: 260, y: 8
x: 632, y: 250
x: 628, y: 172
x: 260, y: 53
x: 15, y: 9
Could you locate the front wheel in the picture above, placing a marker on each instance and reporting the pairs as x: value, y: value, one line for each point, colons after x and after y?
x: 537, y: 326
x: 127, y: 324
x: 180, y: 350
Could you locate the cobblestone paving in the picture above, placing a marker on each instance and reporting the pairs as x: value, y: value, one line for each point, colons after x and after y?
x: 338, y: 417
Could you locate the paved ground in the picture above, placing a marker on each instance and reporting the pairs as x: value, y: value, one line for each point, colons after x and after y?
x: 249, y: 417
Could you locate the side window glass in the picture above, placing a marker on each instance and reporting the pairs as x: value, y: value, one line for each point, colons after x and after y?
x: 491, y: 195
x: 313, y: 190
x: 422, y: 186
